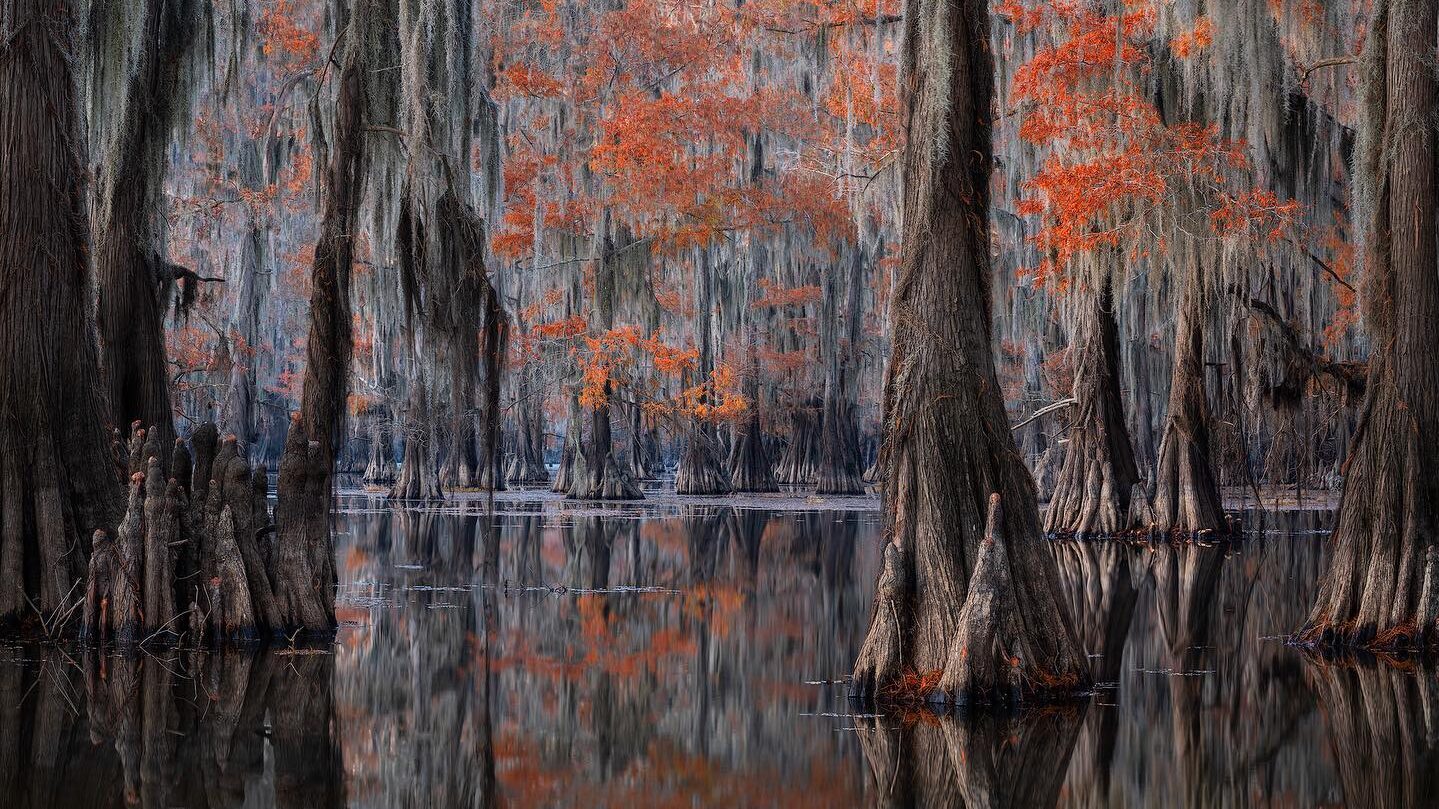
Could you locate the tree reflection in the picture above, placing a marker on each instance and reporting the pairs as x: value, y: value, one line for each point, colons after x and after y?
x: 1101, y: 581
x: 197, y: 729
x: 982, y: 760
x: 1383, y: 725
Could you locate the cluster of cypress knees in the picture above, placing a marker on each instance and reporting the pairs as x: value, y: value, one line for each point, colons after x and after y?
x: 197, y: 560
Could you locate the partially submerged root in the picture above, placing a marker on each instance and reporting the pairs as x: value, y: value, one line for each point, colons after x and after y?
x: 879, y: 666
x: 992, y: 659
x: 1186, y: 497
x: 235, y: 584
x: 1380, y: 593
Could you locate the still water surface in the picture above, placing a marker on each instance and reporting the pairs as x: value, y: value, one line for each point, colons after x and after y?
x: 682, y: 655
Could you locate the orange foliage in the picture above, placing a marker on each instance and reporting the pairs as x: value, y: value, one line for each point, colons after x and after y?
x: 1194, y: 40
x: 1112, y: 158
x: 774, y: 295
x: 284, y: 39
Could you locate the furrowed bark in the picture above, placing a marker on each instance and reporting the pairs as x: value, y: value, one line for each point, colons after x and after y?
x: 701, y: 469
x: 1099, y: 472
x: 749, y: 464
x: 58, y: 479
x: 1372, y: 594
x: 327, y: 350
x: 134, y: 278
x: 1186, y: 496
x: 948, y: 452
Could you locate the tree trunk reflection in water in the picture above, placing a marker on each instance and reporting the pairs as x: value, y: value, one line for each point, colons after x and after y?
x: 1383, y: 725
x: 979, y: 760
x: 193, y: 729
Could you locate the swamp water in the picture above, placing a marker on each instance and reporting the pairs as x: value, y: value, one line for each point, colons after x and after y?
x: 674, y: 654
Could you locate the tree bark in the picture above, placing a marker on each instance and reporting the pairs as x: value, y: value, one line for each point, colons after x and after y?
x: 1382, y: 587
x: 327, y: 350
x: 701, y: 467
x: 948, y: 454
x: 1186, y: 497
x: 58, y: 479
x: 799, y: 464
x: 840, y: 471
x: 419, y: 478
x: 597, y: 475
x: 133, y: 275
x: 1099, y: 473
x: 749, y: 465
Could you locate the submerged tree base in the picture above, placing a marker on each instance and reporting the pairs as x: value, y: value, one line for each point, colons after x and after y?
x: 992, y: 659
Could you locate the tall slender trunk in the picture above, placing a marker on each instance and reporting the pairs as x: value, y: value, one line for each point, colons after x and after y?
x: 980, y: 607
x: 598, y: 475
x: 58, y: 479
x: 304, y: 535
x: 1382, y: 586
x: 840, y: 471
x: 701, y: 467
x: 240, y: 396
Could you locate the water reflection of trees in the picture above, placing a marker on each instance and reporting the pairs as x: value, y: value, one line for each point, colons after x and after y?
x: 689, y: 688
x: 232, y: 729
x: 971, y: 761
x: 1211, y: 707
x: 1383, y: 725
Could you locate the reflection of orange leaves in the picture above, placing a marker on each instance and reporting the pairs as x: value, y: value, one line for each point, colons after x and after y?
x: 719, y: 603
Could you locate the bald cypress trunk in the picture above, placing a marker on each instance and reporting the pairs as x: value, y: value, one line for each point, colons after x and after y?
x: 980, y: 607
x: 1382, y: 586
x: 570, y: 448
x: 1186, y: 496
x: 58, y: 480
x: 701, y: 465
x: 1099, y: 473
x: 133, y: 273
x: 327, y: 353
x: 749, y: 464
x: 596, y: 473
x: 239, y: 410
x: 799, y: 463
x: 840, y: 470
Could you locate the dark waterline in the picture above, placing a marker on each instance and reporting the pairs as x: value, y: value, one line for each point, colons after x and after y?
x: 679, y: 655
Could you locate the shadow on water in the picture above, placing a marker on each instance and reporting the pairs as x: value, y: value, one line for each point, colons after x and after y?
x: 546, y: 656
x: 238, y: 729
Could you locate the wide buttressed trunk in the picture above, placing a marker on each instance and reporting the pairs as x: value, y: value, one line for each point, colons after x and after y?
x: 702, y: 469
x: 949, y: 459
x: 1186, y: 496
x: 58, y: 479
x: 1382, y: 586
x: 1093, y: 492
x: 595, y: 473
x: 749, y: 464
